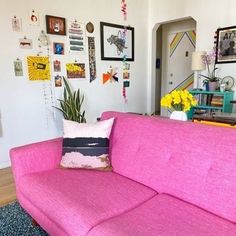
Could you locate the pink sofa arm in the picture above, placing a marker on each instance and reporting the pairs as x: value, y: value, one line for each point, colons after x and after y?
x: 35, y: 157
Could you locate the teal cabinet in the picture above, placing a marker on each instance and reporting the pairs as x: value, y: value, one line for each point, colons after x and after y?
x: 209, y: 101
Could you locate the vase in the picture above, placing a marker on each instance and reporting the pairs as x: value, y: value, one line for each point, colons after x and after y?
x: 179, y: 115
x: 213, y: 85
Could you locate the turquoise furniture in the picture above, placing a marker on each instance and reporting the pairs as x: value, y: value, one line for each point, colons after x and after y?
x: 211, y: 101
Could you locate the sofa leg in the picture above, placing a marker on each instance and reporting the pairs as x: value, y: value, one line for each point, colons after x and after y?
x: 34, y: 223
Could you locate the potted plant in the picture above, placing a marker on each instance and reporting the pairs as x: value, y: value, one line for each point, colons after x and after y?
x: 211, y: 80
x: 179, y: 101
x: 70, y: 105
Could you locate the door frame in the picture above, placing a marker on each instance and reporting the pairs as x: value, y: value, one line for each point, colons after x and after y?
x: 183, y: 36
x: 151, y: 85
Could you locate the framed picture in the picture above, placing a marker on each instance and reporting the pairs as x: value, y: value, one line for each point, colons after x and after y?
x: 58, y: 48
x: 55, y: 25
x: 226, y: 45
x: 117, y: 42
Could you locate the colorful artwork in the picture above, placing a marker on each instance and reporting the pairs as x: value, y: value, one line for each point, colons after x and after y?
x: 38, y: 68
x: 92, y: 58
x: 126, y: 70
x: 76, y: 36
x: 58, y: 48
x: 57, y: 66
x: 25, y: 43
x: 18, y: 68
x: 125, y: 75
x: 58, y: 81
x: 111, y: 75
x: 55, y: 25
x: 75, y: 70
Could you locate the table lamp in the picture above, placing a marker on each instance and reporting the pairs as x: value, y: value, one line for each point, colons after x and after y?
x: 197, y: 64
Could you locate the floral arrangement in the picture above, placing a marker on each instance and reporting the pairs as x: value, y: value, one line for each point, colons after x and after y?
x: 209, y: 60
x: 179, y: 100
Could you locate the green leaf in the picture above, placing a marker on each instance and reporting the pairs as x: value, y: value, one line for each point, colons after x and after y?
x: 71, y: 104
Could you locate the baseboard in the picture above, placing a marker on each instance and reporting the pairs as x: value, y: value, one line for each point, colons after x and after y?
x: 5, y: 164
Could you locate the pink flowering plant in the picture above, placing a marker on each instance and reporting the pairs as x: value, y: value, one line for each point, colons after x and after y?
x: 209, y: 60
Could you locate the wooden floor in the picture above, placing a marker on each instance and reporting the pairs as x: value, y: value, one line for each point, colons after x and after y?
x: 7, y: 187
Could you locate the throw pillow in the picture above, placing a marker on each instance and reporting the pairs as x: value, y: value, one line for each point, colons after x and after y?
x: 86, y: 145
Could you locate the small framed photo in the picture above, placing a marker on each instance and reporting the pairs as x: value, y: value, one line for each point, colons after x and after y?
x: 226, y: 45
x: 58, y: 48
x: 55, y: 25
x: 117, y: 42
x: 58, y: 80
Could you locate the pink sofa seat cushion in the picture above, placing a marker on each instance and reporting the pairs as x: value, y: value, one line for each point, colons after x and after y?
x: 165, y: 215
x: 79, y: 199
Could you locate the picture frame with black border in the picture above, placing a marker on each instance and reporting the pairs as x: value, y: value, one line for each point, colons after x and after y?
x: 117, y: 42
x: 226, y: 45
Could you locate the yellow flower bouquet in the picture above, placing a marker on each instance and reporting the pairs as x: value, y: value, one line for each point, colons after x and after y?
x: 179, y: 100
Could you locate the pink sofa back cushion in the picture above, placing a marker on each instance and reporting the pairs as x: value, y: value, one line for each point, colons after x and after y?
x: 194, y: 162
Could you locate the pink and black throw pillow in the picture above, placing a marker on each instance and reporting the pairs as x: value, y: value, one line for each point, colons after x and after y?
x: 86, y: 145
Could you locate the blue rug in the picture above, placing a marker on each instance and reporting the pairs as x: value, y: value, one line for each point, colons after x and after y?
x: 14, y: 221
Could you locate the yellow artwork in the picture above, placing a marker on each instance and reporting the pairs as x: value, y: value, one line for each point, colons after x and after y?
x: 75, y: 70
x: 38, y: 68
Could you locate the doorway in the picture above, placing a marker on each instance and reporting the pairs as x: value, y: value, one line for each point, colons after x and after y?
x: 175, y: 42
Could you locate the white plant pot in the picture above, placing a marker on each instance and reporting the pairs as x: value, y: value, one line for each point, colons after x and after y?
x: 179, y: 115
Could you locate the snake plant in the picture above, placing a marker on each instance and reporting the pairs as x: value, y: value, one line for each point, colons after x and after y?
x: 70, y: 105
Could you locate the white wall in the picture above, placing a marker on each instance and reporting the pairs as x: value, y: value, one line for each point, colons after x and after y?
x: 24, y: 116
x: 209, y: 16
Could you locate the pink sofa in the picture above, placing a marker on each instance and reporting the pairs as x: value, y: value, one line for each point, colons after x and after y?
x: 169, y: 178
